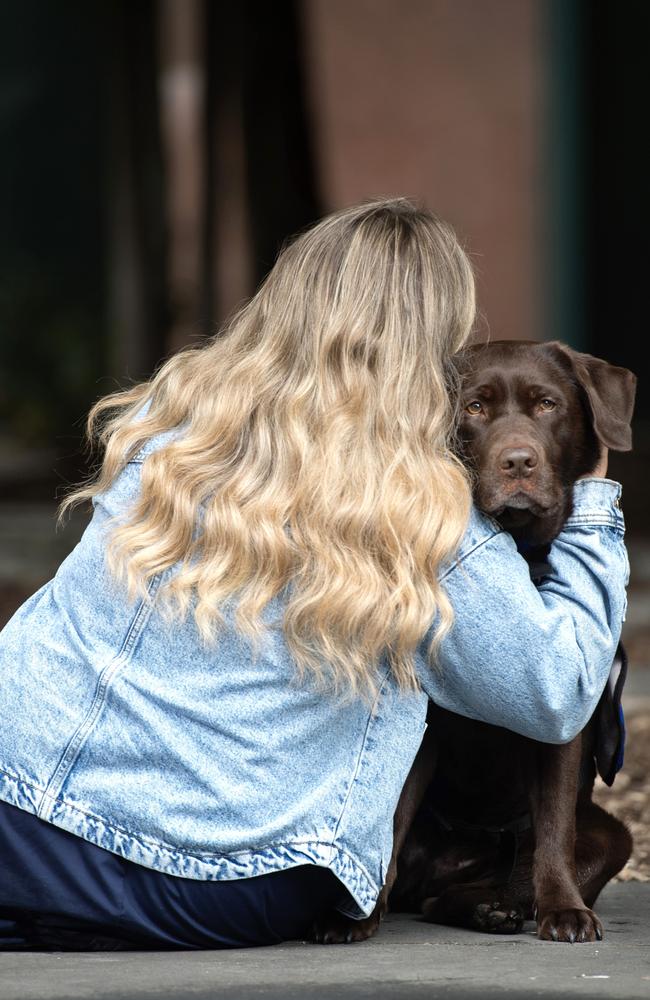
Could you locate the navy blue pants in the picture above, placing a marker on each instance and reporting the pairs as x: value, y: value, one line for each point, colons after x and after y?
x: 59, y: 892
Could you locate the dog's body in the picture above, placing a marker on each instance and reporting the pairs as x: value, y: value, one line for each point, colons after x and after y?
x: 508, y: 832
x: 493, y: 828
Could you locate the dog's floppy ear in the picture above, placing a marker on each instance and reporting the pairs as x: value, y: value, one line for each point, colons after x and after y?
x: 610, y: 391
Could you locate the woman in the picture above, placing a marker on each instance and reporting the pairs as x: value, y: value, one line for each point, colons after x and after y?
x: 210, y: 711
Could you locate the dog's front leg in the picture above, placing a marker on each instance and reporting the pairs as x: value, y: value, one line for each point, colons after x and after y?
x: 561, y: 912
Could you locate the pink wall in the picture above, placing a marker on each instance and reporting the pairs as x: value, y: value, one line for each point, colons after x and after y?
x: 441, y: 100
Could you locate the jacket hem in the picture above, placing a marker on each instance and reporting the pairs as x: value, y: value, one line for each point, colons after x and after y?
x: 161, y: 857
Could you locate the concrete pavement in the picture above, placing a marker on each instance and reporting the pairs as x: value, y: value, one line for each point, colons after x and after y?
x: 407, y: 959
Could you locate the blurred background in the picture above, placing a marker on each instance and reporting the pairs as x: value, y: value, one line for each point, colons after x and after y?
x: 155, y: 154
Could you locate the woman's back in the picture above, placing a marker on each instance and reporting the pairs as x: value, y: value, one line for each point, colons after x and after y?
x: 229, y: 675
x: 204, y: 761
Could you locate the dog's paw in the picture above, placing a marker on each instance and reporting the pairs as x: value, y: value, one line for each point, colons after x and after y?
x: 569, y: 925
x: 495, y: 918
x: 334, y: 928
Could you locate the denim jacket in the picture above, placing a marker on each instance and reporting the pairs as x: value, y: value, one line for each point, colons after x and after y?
x: 196, y: 761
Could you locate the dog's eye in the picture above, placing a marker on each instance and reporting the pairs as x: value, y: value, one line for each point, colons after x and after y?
x: 547, y: 404
x: 474, y: 407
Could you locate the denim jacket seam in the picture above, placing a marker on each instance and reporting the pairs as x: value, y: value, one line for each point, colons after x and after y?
x: 106, y: 676
x: 13, y: 776
x: 463, y: 556
x: 360, y: 757
x: 148, y: 842
x: 585, y: 483
x: 157, y: 844
x: 597, y: 519
x: 356, y: 862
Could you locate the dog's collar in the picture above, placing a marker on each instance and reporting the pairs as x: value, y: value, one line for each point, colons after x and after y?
x: 537, y: 558
x: 454, y: 824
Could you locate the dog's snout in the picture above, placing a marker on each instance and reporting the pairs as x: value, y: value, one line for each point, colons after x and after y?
x: 519, y: 463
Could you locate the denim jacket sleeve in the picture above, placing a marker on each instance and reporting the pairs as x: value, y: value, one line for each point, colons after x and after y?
x: 535, y: 659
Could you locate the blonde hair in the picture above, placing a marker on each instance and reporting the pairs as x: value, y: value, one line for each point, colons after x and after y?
x: 316, y: 450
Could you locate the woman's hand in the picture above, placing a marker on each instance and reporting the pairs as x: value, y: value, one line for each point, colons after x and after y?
x: 600, y: 469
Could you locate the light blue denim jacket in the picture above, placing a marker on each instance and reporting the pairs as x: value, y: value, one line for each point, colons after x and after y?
x: 194, y: 761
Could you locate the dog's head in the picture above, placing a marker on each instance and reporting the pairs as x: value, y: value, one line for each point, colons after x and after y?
x: 533, y: 418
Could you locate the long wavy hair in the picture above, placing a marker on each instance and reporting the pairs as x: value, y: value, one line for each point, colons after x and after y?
x: 315, y: 453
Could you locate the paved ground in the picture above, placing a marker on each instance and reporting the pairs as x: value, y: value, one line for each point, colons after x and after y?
x: 407, y: 959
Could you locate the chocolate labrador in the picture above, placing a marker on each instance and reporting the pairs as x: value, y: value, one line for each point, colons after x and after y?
x: 493, y: 828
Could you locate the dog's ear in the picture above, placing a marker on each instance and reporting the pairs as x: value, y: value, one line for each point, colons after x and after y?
x: 610, y: 391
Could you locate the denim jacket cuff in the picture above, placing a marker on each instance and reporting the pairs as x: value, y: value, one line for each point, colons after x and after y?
x: 597, y: 501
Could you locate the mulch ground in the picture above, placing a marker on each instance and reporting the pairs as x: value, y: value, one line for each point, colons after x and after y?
x: 629, y: 796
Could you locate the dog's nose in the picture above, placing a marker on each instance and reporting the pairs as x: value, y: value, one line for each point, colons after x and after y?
x: 518, y: 463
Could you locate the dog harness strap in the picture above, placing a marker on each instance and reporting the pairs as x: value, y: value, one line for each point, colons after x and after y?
x: 516, y: 826
x: 610, y: 731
